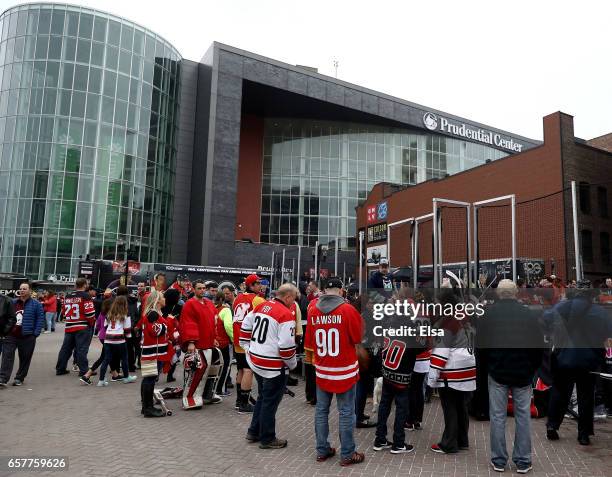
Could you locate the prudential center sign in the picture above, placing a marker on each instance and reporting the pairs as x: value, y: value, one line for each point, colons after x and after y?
x: 433, y: 122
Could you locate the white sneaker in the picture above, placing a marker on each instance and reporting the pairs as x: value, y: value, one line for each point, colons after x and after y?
x: 102, y: 384
x: 129, y: 379
x: 46, y: 332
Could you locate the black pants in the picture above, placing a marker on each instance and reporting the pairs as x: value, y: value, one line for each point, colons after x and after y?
x: 401, y: 396
x: 25, y: 349
x: 225, y: 352
x: 456, y: 419
x: 365, y: 386
x: 77, y: 342
x: 561, y: 393
x: 417, y: 398
x: 114, y: 365
x: 311, y: 382
x: 270, y: 393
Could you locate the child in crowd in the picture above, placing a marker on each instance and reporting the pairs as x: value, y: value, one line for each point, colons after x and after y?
x: 100, y: 330
x: 154, y: 350
x: 118, y: 328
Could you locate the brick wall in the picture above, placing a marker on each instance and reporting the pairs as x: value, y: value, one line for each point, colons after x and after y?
x: 585, y: 163
x: 534, y: 174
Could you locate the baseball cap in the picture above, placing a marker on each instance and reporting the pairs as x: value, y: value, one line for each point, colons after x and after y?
x: 334, y: 282
x: 251, y: 279
x: 383, y: 261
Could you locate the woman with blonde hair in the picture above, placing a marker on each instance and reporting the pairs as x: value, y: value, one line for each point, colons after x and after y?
x: 118, y: 327
x: 154, y: 348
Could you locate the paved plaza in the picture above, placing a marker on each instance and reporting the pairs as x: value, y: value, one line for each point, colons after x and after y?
x: 102, y: 433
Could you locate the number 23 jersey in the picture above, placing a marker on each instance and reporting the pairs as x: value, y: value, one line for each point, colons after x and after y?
x: 334, y: 328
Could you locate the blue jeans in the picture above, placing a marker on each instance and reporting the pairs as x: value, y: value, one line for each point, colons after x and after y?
x: 111, y: 350
x: 401, y: 397
x: 50, y: 318
x: 270, y: 392
x: 498, y: 410
x: 346, y: 422
x: 77, y: 342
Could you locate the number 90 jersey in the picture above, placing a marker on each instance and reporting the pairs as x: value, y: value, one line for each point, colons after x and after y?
x: 334, y: 328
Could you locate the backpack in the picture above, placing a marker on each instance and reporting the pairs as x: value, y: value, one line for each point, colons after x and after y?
x: 7, y: 316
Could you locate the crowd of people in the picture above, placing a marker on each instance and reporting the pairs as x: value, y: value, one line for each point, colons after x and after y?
x: 483, y: 367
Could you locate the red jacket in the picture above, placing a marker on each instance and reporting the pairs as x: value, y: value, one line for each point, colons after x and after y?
x: 197, y: 323
x: 50, y: 304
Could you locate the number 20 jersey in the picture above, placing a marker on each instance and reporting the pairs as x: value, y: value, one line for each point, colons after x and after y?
x: 334, y: 328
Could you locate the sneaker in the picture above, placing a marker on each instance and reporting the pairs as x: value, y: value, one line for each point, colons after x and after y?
x: 225, y: 394
x: 129, y: 379
x: 2, y: 385
x: 582, y: 440
x: 246, y: 409
x: 417, y: 426
x: 275, y: 444
x: 552, y: 435
x: 46, y: 332
x: 116, y: 379
x: 409, y: 427
x: 75, y: 368
x: 380, y: 445
x: 497, y: 468
x: 215, y: 399
x: 365, y: 424
x: 600, y: 412
x: 61, y: 372
x: 102, y: 384
x: 17, y: 382
x: 404, y: 449
x: 251, y: 438
x: 523, y: 469
x: 85, y: 380
x: 437, y: 449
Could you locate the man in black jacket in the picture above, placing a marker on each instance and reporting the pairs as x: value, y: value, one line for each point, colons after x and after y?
x: 511, y: 346
x: 7, y: 318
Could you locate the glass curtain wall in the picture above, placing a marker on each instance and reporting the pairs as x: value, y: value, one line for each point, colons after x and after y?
x: 88, y: 114
x: 316, y: 172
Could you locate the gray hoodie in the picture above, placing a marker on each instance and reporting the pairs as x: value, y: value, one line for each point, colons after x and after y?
x: 328, y: 303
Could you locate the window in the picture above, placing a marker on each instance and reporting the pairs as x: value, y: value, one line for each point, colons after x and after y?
x: 587, y: 246
x: 585, y: 198
x: 604, y: 242
x: 602, y: 201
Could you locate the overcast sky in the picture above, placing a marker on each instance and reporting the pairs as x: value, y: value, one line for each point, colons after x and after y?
x: 502, y: 63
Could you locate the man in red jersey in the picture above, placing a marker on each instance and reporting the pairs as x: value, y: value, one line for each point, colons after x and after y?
x: 243, y: 305
x: 334, y: 333
x: 198, y: 337
x: 80, y: 316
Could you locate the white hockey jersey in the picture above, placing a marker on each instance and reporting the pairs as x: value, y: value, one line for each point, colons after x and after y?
x: 267, y: 335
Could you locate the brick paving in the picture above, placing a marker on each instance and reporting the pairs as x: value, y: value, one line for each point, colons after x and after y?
x: 102, y: 433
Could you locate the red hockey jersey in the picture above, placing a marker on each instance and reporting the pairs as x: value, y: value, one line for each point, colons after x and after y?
x: 334, y: 328
x: 79, y: 311
x: 243, y: 305
x: 154, y: 341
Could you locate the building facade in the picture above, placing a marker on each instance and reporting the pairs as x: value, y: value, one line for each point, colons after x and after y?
x: 88, y: 139
x: 110, y: 142
x: 540, y: 178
